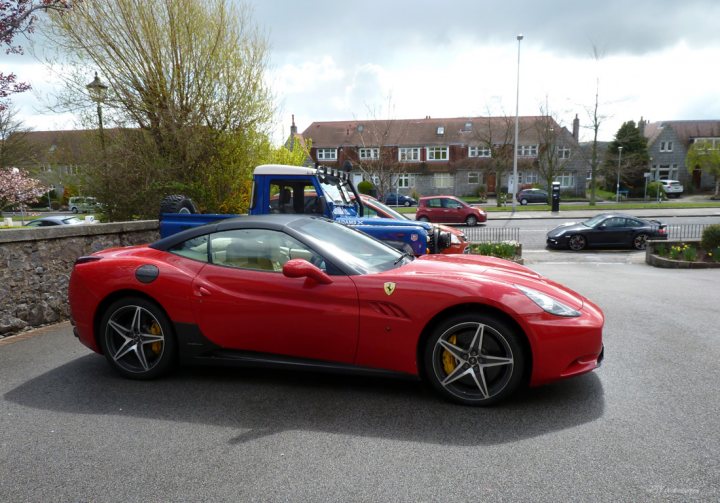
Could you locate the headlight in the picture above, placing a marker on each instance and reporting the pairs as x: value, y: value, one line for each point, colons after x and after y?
x: 547, y: 303
x: 454, y: 239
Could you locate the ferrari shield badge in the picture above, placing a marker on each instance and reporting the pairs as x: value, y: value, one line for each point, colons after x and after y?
x: 389, y: 288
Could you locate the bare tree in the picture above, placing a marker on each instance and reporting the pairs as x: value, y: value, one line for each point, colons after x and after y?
x: 15, y: 150
x: 553, y: 151
x: 596, y: 119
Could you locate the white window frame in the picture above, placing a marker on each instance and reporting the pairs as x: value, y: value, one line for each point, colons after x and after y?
x: 443, y: 180
x: 409, y: 154
x: 476, y: 175
x: 564, y: 178
x: 405, y: 181
x: 528, y: 177
x: 563, y: 152
x: 478, y: 151
x: 666, y: 146
x: 326, y: 154
x: 368, y: 153
x: 432, y: 153
x: 527, y: 150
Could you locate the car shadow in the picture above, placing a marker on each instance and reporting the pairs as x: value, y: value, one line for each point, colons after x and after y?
x: 265, y: 402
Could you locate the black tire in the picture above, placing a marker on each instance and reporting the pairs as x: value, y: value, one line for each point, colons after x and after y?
x: 640, y: 241
x: 406, y: 204
x: 523, y: 202
x: 423, y: 219
x: 577, y: 242
x: 177, y: 203
x: 136, y: 338
x: 74, y: 210
x: 474, y: 359
x: 471, y: 221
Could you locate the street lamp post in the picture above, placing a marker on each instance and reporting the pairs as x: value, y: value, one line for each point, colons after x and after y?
x: 98, y: 93
x: 513, y: 190
x: 617, y: 188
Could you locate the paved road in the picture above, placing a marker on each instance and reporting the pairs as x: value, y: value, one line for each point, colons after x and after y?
x: 644, y: 427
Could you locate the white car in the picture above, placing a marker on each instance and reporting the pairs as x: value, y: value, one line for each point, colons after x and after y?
x: 672, y: 188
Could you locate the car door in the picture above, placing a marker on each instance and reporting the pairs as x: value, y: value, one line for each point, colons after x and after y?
x: 435, y: 210
x: 245, y: 302
x: 612, y: 231
x: 453, y: 211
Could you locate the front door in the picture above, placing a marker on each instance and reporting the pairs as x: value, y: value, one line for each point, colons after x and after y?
x: 245, y: 302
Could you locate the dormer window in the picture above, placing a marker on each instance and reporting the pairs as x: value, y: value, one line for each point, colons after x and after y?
x: 441, y: 130
x: 360, y: 128
x: 468, y: 126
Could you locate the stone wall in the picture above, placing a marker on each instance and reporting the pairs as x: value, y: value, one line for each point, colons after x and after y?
x: 35, y: 266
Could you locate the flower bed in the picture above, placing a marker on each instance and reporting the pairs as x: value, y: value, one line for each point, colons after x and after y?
x: 509, y: 250
x: 681, y: 255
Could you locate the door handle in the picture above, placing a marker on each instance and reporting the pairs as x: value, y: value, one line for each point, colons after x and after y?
x: 201, y: 291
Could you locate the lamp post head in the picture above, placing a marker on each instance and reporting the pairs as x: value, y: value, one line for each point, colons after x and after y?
x: 519, y: 37
x: 97, y: 90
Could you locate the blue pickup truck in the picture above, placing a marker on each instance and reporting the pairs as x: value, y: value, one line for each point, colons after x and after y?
x: 316, y: 190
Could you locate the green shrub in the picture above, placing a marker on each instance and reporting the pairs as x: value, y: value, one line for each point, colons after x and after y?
x: 690, y: 253
x: 675, y: 251
x: 714, y: 254
x: 365, y: 187
x: 653, y: 189
x: 504, y: 250
x: 661, y: 250
x: 711, y: 237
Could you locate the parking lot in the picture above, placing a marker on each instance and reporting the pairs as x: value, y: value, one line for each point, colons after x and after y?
x: 641, y: 428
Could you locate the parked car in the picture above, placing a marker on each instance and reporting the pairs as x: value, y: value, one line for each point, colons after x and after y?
x: 458, y: 241
x: 395, y: 199
x: 83, y: 204
x: 526, y: 196
x: 449, y: 210
x: 607, y: 230
x: 672, y: 188
x: 54, y: 220
x: 297, y: 291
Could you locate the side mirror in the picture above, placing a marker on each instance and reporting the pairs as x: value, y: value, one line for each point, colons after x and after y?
x: 301, y: 268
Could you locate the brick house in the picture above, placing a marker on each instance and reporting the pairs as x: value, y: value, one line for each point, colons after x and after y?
x: 450, y: 155
x: 668, y: 145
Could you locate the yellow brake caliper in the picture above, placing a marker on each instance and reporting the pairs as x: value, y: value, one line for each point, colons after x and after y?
x: 156, y: 346
x: 447, y: 358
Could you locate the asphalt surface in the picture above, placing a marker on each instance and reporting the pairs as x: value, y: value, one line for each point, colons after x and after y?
x: 644, y: 427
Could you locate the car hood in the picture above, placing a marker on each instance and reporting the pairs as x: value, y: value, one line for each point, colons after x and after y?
x: 469, y: 269
x: 569, y: 226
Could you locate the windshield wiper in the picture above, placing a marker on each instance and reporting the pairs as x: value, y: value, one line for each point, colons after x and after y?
x: 405, y: 255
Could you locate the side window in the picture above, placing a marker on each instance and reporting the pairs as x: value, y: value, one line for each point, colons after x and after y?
x: 371, y: 213
x: 452, y: 204
x: 195, y: 248
x: 260, y: 249
x: 288, y: 196
x: 434, y: 203
x: 615, y: 222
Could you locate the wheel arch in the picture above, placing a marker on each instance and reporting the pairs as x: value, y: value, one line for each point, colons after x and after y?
x: 474, y: 308
x: 117, y: 295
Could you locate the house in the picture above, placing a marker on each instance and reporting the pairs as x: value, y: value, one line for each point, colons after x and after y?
x: 458, y: 156
x: 668, y: 145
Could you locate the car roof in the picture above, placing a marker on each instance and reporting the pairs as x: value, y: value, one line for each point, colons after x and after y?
x: 273, y: 222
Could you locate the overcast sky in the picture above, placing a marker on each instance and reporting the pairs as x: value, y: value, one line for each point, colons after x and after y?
x: 333, y: 60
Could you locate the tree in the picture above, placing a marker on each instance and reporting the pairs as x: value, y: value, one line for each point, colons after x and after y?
x: 189, y: 77
x: 634, y: 160
x: 596, y: 120
x: 18, y: 17
x: 705, y: 156
x: 17, y: 187
x: 552, y: 159
x: 14, y: 147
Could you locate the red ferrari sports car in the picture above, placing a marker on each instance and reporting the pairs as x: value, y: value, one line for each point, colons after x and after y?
x: 299, y: 291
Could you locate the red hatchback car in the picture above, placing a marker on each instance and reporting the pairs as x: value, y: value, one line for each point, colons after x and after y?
x: 449, y: 210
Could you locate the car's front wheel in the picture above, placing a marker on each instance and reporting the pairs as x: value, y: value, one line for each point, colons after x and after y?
x: 640, y: 241
x: 136, y: 338
x: 474, y: 359
x: 524, y: 202
x: 423, y: 219
x: 577, y: 242
x: 471, y: 221
x: 406, y: 204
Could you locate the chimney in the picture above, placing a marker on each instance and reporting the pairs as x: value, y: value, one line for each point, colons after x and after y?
x: 576, y: 128
x: 293, y: 127
x: 641, y: 126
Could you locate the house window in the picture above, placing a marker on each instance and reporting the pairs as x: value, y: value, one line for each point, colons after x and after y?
x: 528, y: 177
x: 327, y: 154
x: 473, y: 177
x: 409, y: 154
x: 443, y: 180
x: 666, y: 146
x: 440, y: 130
x: 405, y: 181
x: 567, y: 180
x: 563, y: 152
x: 479, y: 152
x: 369, y: 153
x: 468, y: 126
x: 437, y: 153
x: 527, y: 150
x: 666, y: 172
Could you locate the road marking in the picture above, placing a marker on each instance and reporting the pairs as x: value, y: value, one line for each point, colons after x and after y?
x: 10, y: 339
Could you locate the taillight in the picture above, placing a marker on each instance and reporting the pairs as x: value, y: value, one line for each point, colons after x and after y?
x: 662, y: 230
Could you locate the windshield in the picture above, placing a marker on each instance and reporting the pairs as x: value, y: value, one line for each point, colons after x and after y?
x: 353, y: 249
x: 594, y: 221
x: 335, y: 191
x: 389, y: 211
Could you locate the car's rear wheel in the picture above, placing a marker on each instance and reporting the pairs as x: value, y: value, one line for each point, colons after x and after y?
x: 640, y: 241
x: 577, y: 242
x: 407, y: 204
x: 136, y: 338
x: 524, y: 202
x: 474, y: 359
x: 471, y: 221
